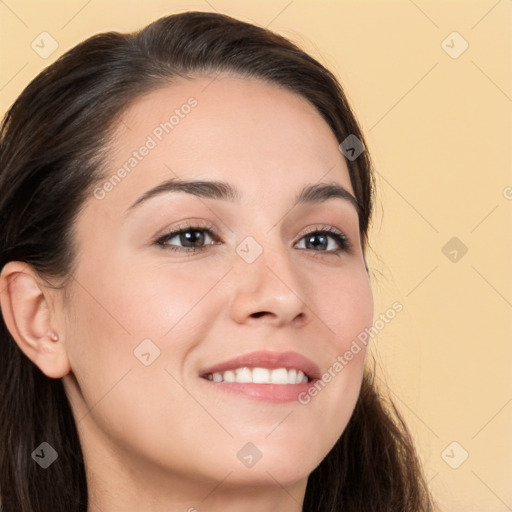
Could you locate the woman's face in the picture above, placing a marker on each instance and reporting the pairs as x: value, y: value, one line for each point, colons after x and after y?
x: 154, y: 318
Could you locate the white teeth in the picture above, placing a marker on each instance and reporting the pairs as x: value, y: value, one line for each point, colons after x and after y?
x: 228, y: 376
x: 260, y: 376
x: 279, y: 376
x: 243, y: 375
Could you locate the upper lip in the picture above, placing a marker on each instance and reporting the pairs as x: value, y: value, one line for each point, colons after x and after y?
x: 267, y: 359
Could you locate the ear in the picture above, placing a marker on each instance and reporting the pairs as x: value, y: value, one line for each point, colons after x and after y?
x: 25, y: 304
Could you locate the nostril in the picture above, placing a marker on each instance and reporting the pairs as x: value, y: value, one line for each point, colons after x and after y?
x: 260, y: 313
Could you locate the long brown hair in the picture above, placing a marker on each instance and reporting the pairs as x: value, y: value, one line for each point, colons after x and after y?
x: 53, y: 141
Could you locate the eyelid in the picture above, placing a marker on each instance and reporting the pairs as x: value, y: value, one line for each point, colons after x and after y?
x: 327, y: 228
x: 187, y: 225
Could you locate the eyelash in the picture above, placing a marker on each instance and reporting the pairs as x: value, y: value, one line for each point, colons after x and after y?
x: 344, y: 243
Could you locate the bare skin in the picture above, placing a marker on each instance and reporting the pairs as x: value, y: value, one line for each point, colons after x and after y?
x: 161, y: 437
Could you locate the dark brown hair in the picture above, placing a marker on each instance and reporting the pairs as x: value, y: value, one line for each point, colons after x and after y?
x: 53, y: 144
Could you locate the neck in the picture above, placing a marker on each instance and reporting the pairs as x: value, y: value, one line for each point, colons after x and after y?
x: 137, y: 492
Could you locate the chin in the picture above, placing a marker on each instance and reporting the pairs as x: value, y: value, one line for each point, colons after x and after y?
x: 268, y: 462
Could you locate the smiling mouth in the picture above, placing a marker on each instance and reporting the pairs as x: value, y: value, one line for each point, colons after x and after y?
x: 259, y: 375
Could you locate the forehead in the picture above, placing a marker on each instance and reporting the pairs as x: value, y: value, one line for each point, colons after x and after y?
x: 259, y: 136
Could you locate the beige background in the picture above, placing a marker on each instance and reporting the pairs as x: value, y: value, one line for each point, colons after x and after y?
x: 439, y: 130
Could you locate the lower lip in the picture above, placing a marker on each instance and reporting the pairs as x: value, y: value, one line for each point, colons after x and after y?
x: 277, y: 393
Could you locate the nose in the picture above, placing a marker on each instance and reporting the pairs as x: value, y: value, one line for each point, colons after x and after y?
x: 268, y: 290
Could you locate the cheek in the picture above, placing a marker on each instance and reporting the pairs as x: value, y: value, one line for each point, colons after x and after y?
x: 344, y: 305
x: 124, y: 313
x: 149, y: 300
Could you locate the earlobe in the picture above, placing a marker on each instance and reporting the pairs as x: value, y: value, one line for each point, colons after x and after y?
x: 26, y: 313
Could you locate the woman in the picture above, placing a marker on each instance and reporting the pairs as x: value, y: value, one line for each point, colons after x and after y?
x: 185, y: 214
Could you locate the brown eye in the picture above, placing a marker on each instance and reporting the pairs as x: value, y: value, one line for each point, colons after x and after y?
x: 320, y: 241
x: 187, y: 239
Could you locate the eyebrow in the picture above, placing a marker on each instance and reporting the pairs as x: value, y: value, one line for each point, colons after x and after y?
x: 221, y: 190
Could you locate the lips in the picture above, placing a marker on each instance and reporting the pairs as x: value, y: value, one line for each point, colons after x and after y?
x: 265, y: 359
